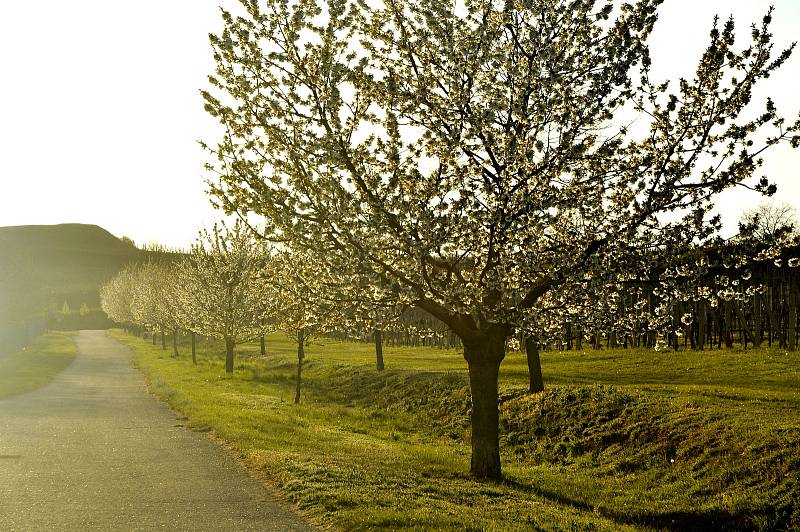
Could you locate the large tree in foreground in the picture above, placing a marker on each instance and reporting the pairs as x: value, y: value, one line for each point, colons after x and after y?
x: 472, y: 161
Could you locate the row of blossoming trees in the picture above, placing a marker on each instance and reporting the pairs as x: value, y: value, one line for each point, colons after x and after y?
x: 232, y: 287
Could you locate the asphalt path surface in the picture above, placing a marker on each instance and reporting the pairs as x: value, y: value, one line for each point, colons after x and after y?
x: 93, y: 451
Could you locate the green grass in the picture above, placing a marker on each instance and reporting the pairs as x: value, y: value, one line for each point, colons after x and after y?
x: 36, y: 365
x: 621, y: 440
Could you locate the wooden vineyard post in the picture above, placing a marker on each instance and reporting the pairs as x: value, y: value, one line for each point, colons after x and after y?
x: 702, y: 316
x: 726, y: 321
x: 792, y: 313
x: 757, y: 335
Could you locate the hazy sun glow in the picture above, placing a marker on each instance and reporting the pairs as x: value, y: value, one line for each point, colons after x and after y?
x: 101, y: 109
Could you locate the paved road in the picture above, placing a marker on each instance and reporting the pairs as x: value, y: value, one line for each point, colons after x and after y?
x: 93, y: 451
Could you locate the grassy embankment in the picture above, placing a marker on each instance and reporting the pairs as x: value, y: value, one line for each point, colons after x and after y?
x: 36, y: 365
x: 620, y: 440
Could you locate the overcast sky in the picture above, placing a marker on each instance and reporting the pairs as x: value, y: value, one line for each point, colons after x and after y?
x: 101, y: 111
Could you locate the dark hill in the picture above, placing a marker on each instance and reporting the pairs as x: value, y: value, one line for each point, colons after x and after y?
x: 70, y: 237
x: 43, y: 266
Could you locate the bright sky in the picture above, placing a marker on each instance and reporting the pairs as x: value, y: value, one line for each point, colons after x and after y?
x: 101, y: 108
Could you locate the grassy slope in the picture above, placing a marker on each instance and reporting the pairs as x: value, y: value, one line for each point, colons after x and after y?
x: 620, y: 440
x: 37, y: 365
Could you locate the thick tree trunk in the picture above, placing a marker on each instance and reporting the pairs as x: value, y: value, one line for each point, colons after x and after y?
x: 175, y: 343
x: 163, y: 340
x: 301, y: 355
x: 154, y: 338
x: 229, y: 344
x: 194, y: 348
x: 536, y: 381
x: 484, y: 360
x: 725, y: 314
x: 379, y: 349
x: 263, y: 346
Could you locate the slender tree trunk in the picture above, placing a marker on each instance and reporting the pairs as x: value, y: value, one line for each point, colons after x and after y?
x: 229, y: 344
x: 773, y: 319
x: 194, y: 348
x: 163, y: 340
x: 569, y: 336
x: 175, y: 343
x: 726, y: 324
x: 794, y: 296
x: 536, y: 381
x: 263, y: 346
x: 484, y: 360
x: 702, y: 319
x: 745, y: 329
x: 301, y: 355
x: 379, y: 349
x: 154, y: 338
x: 758, y: 334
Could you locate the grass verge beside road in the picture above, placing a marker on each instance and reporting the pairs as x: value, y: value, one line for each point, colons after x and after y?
x: 619, y: 441
x: 36, y: 365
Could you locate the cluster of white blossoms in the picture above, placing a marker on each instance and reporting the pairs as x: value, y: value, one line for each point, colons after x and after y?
x: 213, y: 290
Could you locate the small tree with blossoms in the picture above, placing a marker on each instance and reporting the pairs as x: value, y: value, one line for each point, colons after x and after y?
x: 116, y: 297
x: 301, y: 301
x: 223, y: 290
x: 468, y: 158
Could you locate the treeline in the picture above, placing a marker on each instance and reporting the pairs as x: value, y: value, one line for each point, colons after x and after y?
x: 78, y: 320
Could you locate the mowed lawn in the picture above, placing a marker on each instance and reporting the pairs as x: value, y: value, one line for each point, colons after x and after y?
x: 36, y: 365
x: 620, y: 440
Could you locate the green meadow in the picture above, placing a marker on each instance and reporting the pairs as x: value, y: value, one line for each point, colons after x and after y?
x: 36, y: 365
x: 620, y: 440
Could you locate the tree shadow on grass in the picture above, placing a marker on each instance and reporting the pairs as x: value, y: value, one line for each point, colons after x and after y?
x: 685, y: 521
